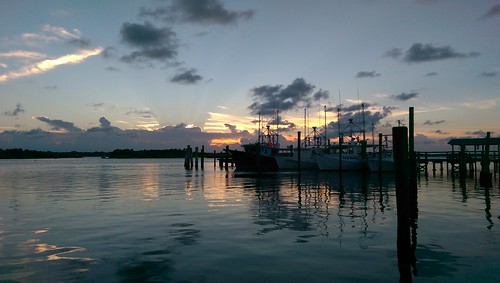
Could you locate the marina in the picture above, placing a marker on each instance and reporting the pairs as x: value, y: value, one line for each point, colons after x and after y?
x: 150, y: 220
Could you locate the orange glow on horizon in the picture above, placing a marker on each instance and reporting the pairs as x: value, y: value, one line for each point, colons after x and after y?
x: 224, y: 141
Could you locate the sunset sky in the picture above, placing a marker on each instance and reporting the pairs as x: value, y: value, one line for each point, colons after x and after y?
x: 102, y: 75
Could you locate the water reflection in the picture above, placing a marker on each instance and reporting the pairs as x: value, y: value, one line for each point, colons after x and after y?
x: 325, y: 204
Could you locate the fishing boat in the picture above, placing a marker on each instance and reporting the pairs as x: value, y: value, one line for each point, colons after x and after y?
x: 383, y: 159
x: 261, y: 155
x: 348, y: 155
x: 312, y: 145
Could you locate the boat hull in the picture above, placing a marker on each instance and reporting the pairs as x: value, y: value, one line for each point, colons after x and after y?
x: 349, y: 162
x: 245, y: 161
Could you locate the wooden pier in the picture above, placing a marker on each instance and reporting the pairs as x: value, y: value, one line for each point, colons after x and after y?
x: 464, y: 156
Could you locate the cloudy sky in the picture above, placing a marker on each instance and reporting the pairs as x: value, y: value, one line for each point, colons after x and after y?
x: 101, y: 75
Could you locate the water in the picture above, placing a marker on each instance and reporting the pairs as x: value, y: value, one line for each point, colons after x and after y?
x: 107, y: 220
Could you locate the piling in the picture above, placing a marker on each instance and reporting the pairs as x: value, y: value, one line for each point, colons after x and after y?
x: 485, y: 175
x: 188, y: 157
x: 400, y: 144
x: 202, y: 157
x: 196, y: 158
x: 380, y: 152
x: 341, y: 139
x: 298, y: 152
x: 226, y: 157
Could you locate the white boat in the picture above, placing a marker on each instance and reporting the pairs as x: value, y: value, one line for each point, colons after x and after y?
x: 291, y: 161
x: 348, y: 158
x: 381, y: 163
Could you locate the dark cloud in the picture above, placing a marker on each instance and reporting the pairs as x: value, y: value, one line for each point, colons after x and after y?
x: 79, y: 42
x: 109, y: 52
x: 51, y: 87
x: 431, y: 123
x: 186, y: 77
x: 112, y: 69
x: 197, y: 11
x: 489, y: 74
x: 440, y: 132
x: 153, y: 44
x: 104, y: 122
x: 405, y: 96
x: 321, y: 94
x: 58, y: 125
x: 141, y: 113
x: 356, y: 107
x: 352, y: 119
x: 394, y: 53
x: 420, y: 52
x: 231, y: 128
x: 268, y: 99
x: 364, y: 74
x: 19, y: 109
x: 431, y: 74
x: 479, y: 133
x: 492, y: 12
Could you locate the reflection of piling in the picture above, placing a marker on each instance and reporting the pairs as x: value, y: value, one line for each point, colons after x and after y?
x: 341, y: 138
x: 400, y: 144
x: 188, y: 157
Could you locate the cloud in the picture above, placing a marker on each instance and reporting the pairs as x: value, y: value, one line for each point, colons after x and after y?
x: 62, y: 32
x: 153, y: 44
x: 52, y: 87
x: 23, y: 54
x: 103, y: 122
x: 79, y: 42
x: 420, y: 52
x: 186, y: 77
x: 321, y: 94
x: 268, y: 99
x: 479, y: 133
x: 431, y: 74
x: 431, y: 123
x: 440, y: 132
x: 49, y: 64
x: 59, y: 125
x: 364, y: 74
x: 492, y: 12
x: 19, y: 109
x: 489, y: 74
x: 405, y: 96
x: 197, y: 11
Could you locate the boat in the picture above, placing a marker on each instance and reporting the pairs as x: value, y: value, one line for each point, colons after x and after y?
x: 312, y: 145
x: 261, y: 155
x: 348, y: 155
x: 383, y: 159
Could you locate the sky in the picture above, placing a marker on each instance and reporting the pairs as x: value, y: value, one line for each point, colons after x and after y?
x: 115, y: 74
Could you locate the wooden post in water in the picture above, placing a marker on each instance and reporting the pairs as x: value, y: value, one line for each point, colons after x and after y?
x: 298, y: 152
x: 485, y: 175
x: 400, y: 144
x: 202, y: 157
x: 215, y: 159
x: 380, y: 152
x: 227, y: 158
x: 196, y: 158
x: 188, y: 157
x: 341, y: 139
x: 462, y: 168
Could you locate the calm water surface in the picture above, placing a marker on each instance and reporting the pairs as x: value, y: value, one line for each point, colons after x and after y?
x: 133, y: 220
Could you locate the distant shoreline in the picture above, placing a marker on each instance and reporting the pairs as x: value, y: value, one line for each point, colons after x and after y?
x: 18, y: 153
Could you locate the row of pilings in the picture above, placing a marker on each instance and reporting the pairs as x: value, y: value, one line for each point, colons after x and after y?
x: 191, y: 158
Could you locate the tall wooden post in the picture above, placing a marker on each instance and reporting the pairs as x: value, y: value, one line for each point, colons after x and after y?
x: 227, y: 158
x: 298, y: 152
x: 400, y: 143
x: 188, y: 157
x: 485, y: 175
x: 380, y: 152
x: 196, y: 158
x: 202, y: 157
